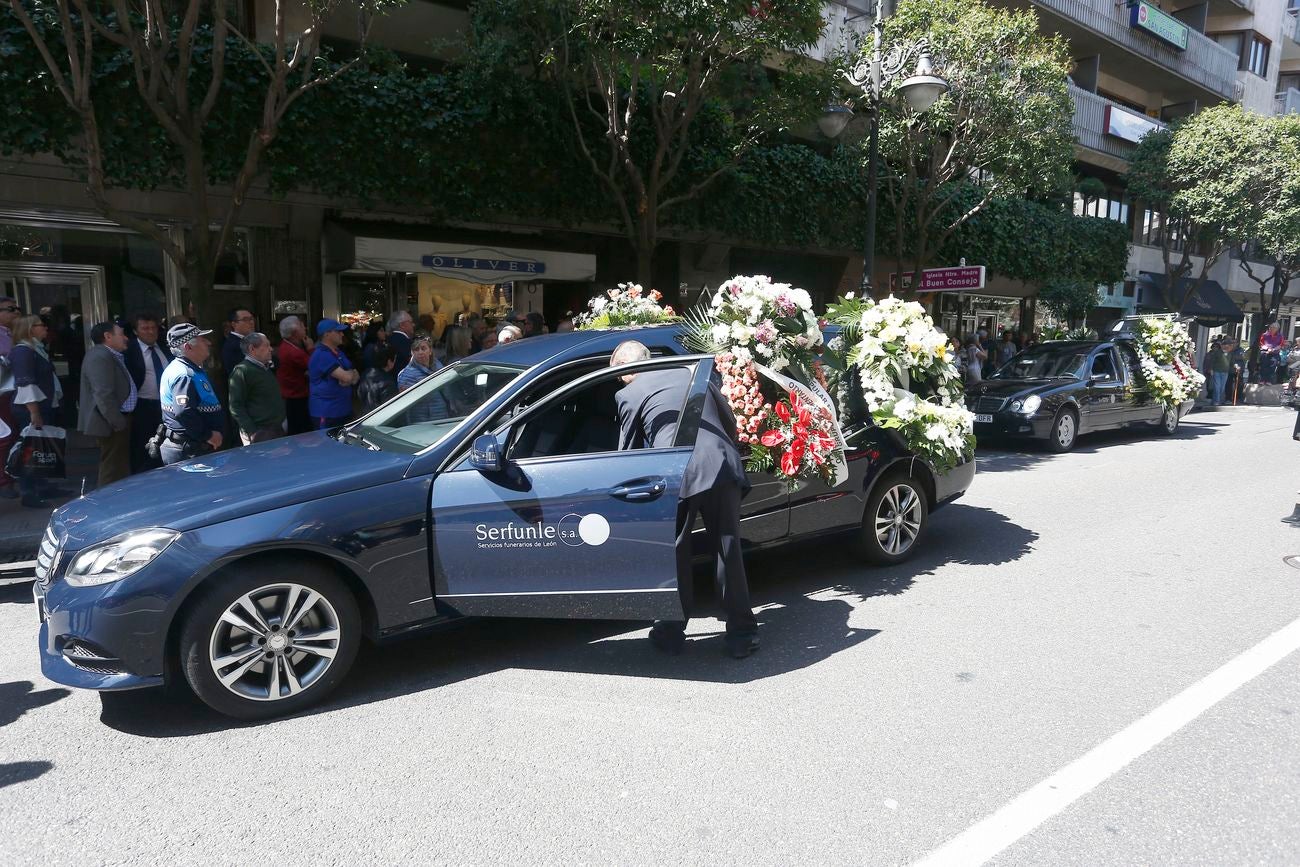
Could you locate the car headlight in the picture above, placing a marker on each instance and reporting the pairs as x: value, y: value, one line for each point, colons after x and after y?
x: 1030, y: 405
x: 1014, y: 406
x: 118, y: 557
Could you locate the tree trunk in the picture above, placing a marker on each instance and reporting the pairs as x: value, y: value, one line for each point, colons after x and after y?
x: 645, y: 266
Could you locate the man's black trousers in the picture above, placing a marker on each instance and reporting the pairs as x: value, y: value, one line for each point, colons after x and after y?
x: 144, y: 424
x: 720, y: 508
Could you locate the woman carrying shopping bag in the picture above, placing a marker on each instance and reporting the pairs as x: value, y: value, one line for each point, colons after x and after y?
x: 37, y: 394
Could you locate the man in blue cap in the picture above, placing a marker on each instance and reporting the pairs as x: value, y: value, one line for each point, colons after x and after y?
x: 330, y: 377
x: 191, y: 410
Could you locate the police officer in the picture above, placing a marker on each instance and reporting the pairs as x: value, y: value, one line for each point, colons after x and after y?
x: 191, y: 411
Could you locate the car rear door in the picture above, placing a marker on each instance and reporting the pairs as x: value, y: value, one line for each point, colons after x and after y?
x: 570, y: 527
x: 1104, y: 401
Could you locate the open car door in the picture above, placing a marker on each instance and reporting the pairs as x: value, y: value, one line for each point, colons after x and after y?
x: 545, y: 517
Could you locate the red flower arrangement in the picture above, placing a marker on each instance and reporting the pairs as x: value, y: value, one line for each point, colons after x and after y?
x: 802, y: 432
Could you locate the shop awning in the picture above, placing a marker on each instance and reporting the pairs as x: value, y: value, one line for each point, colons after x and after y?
x: 469, y: 262
x: 1209, y: 304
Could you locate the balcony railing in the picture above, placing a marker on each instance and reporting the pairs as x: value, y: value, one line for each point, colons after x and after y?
x: 1287, y: 102
x: 1090, y: 124
x: 1205, y: 62
x: 1291, y: 25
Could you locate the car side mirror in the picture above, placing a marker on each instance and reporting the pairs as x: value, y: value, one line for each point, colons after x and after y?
x: 1101, y: 377
x: 485, y: 455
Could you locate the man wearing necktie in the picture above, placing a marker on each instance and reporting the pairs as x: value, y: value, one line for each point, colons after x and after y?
x: 146, y: 359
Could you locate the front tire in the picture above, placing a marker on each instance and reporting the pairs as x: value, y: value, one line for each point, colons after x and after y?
x: 1064, y: 432
x: 256, y: 647
x: 894, y: 520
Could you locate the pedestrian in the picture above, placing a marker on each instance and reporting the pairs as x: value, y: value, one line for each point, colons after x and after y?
x: 974, y: 356
x: 1270, y: 347
x: 379, y: 382
x: 489, y: 340
x: 712, y: 486
x: 192, y: 413
x: 564, y: 326
x: 477, y: 331
x: 1216, y: 362
x: 534, y: 324
x: 9, y: 311
x: 146, y: 359
x: 376, y: 336
x: 1237, y: 368
x: 242, y: 323
x: 401, y: 328
x: 422, y: 364
x: 330, y: 377
x: 293, y: 356
x: 1007, y: 349
x: 37, y: 394
x: 108, y: 400
x: 457, y: 344
x: 509, y: 333
x: 255, y: 400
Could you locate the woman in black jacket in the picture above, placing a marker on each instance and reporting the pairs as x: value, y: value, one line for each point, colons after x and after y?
x: 379, y: 382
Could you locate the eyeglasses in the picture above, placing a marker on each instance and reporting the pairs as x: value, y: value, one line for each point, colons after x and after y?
x: 11, y: 310
x: 244, y: 319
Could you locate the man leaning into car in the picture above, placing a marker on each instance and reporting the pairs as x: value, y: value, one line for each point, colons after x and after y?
x: 712, y: 486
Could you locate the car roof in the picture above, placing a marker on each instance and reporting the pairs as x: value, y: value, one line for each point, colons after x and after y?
x: 529, y: 351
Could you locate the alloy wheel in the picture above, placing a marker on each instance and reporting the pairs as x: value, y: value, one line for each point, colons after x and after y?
x: 274, y: 642
x: 1065, y: 430
x: 1170, y: 421
x: 898, y: 519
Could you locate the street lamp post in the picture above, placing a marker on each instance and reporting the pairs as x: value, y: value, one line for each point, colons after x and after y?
x: 873, y: 74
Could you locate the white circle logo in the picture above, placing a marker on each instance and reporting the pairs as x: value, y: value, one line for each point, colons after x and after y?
x: 593, y: 529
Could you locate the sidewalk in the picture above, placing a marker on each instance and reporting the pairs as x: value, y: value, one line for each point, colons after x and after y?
x: 21, y: 528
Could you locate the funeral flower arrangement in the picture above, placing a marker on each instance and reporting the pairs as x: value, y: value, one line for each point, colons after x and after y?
x: 629, y: 304
x: 1164, y: 349
x: 908, y: 377
x: 757, y: 328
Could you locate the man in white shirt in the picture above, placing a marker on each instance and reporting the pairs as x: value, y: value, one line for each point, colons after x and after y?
x: 146, y: 358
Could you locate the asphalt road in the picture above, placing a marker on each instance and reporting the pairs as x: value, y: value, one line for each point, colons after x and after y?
x: 1052, y: 610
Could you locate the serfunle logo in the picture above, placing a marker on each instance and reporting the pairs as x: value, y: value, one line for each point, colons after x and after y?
x: 573, y: 530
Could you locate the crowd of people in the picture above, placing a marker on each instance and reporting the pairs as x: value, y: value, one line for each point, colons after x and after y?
x: 149, y: 398
x: 979, y: 354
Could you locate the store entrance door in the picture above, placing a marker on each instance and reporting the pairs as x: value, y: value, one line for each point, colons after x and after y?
x: 74, y: 299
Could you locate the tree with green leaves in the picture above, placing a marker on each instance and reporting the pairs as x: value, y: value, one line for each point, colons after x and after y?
x: 171, y: 61
x: 1068, y: 298
x: 644, y: 83
x: 1002, y: 130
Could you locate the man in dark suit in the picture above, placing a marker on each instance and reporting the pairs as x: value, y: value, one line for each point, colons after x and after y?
x: 146, y: 359
x: 242, y: 324
x: 108, y: 398
x: 712, y: 486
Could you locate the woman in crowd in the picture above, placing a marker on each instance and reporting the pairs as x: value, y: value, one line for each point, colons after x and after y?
x: 379, y: 382
x: 376, y: 336
x: 422, y: 364
x: 974, y: 356
x: 37, y: 396
x: 457, y: 339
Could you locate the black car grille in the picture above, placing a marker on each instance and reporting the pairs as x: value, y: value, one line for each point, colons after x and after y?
x: 989, y: 404
x: 87, y: 657
x: 47, y: 557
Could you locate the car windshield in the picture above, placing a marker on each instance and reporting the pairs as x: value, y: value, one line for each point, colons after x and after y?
x: 1045, y: 362
x: 426, y: 412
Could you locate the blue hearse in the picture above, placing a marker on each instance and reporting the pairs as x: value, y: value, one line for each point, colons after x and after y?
x: 493, y: 488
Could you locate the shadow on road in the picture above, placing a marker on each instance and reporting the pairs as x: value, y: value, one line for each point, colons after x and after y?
x: 16, y: 594
x: 1004, y: 454
x: 17, y: 697
x: 12, y: 773
x: 806, y: 592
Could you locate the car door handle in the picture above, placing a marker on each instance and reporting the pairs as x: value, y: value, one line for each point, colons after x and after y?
x: 640, y: 490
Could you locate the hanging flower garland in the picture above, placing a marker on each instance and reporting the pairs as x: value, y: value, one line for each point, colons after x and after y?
x: 1163, y: 348
x: 897, y: 351
x: 757, y: 328
x: 629, y: 304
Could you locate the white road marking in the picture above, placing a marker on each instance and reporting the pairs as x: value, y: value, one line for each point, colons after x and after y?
x: 981, y: 841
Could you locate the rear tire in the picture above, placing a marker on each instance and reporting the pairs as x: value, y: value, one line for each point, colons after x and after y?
x: 1168, y: 424
x: 1065, y: 431
x: 894, y: 520
x: 257, y: 646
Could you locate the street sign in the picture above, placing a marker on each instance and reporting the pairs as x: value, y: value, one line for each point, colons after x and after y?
x: 963, y: 279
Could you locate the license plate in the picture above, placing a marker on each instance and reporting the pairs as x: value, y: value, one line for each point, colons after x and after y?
x: 984, y: 418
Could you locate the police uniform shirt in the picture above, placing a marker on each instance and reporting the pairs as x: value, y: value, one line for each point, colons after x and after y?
x: 189, y: 403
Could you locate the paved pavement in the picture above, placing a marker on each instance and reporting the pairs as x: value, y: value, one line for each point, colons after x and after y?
x: 1063, y: 601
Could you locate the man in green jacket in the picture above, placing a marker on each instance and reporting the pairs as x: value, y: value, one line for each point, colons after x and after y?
x: 255, y: 400
x: 1217, y: 365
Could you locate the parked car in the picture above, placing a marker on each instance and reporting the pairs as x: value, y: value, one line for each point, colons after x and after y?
x: 493, y: 488
x: 1060, y: 390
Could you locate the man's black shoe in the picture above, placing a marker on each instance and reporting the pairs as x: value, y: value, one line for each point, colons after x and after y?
x: 667, y: 641
x: 741, y: 647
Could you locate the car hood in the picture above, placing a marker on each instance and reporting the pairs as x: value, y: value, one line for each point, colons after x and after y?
x: 1005, y: 388
x: 226, y: 485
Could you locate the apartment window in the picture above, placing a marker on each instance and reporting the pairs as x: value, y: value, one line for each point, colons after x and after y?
x: 1252, y: 50
x: 1288, y: 79
x: 1115, y: 205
